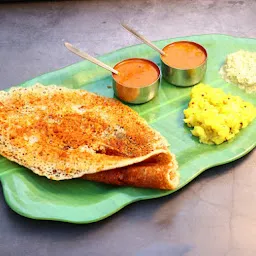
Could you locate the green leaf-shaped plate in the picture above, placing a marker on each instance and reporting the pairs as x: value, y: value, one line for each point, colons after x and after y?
x: 81, y: 201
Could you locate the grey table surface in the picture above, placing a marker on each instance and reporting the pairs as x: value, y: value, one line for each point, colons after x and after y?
x: 213, y: 215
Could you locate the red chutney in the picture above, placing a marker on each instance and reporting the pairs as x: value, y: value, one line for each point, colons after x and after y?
x: 136, y: 73
x: 184, y: 55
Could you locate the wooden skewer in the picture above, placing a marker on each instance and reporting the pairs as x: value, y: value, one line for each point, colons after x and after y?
x: 90, y: 58
x: 143, y: 39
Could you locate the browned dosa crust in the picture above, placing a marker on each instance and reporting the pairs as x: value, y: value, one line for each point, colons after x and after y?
x: 63, y: 133
x: 158, y: 172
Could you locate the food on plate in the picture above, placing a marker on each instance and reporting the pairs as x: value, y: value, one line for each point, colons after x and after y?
x: 184, y: 55
x: 137, y: 82
x: 240, y: 69
x: 216, y: 116
x: 63, y: 133
x: 156, y: 172
x: 136, y: 73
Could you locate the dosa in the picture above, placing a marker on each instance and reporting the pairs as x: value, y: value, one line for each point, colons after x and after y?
x: 157, y: 172
x: 64, y: 133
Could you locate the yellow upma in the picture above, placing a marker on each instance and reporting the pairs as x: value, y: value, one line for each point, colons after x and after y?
x: 216, y: 116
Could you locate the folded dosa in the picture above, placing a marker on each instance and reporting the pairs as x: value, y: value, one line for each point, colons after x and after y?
x: 63, y: 133
x: 156, y: 172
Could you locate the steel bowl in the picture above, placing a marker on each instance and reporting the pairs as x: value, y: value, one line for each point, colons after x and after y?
x: 136, y: 95
x: 184, y: 77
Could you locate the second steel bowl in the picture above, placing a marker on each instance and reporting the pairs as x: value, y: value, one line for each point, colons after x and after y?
x: 184, y: 77
x: 132, y: 94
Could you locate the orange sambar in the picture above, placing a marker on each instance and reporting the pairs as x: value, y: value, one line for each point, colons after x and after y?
x: 184, y: 55
x: 136, y: 73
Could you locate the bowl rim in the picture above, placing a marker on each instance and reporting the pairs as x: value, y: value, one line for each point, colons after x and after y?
x: 186, y: 41
x: 143, y: 59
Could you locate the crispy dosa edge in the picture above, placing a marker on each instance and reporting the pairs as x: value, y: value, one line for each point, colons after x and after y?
x: 15, y: 157
x: 158, y: 172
